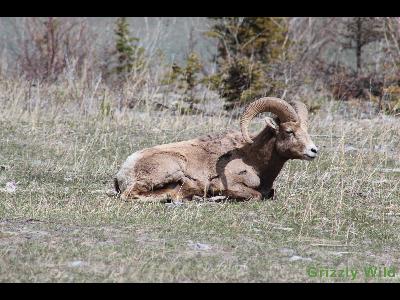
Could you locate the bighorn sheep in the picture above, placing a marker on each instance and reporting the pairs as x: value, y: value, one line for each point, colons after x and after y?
x: 232, y: 164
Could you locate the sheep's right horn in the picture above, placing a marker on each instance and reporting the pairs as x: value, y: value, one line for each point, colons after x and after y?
x: 279, y: 107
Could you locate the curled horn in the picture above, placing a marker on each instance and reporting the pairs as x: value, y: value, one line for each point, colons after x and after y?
x: 302, y: 112
x: 284, y: 111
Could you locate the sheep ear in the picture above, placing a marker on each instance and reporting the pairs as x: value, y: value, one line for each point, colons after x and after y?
x: 271, y: 123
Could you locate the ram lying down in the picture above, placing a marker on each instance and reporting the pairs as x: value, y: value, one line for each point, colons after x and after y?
x: 234, y: 164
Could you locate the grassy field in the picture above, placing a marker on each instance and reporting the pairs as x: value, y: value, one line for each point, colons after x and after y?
x: 340, y: 211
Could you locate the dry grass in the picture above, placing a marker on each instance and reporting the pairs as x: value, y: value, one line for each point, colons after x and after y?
x: 342, y: 209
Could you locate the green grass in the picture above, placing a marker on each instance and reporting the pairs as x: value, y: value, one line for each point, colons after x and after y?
x: 343, y: 209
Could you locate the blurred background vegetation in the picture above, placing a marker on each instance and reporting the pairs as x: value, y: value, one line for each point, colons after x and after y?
x: 79, y: 95
x: 203, y: 65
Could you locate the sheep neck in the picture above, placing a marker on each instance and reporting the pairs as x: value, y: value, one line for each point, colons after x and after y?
x: 264, y: 158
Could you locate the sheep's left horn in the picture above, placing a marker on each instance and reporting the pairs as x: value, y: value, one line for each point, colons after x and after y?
x: 279, y: 107
x: 302, y: 112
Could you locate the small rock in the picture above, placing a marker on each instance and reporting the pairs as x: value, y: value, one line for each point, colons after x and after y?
x: 217, y: 198
x: 296, y: 258
x: 200, y: 246
x: 76, y: 263
x: 112, y: 193
x: 11, y: 187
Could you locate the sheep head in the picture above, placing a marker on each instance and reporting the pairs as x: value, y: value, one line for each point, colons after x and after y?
x: 291, y: 130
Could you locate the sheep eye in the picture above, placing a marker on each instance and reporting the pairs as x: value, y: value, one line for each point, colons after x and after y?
x: 289, y: 132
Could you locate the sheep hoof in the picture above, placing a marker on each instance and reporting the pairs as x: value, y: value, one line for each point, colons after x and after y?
x: 167, y: 199
x: 271, y: 194
x: 197, y: 198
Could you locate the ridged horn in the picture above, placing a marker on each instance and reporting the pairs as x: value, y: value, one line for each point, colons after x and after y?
x: 302, y: 112
x: 284, y: 111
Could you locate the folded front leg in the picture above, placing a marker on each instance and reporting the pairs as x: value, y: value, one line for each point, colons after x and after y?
x: 242, y: 192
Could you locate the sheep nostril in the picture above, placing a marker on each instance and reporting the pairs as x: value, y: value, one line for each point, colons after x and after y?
x: 315, y: 150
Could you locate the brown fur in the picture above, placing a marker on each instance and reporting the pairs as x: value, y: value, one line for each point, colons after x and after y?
x: 221, y: 164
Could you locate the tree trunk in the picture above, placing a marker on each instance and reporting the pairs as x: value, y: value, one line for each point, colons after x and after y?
x: 358, y: 45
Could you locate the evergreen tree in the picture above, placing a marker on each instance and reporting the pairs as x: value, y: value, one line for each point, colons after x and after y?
x: 129, y: 54
x: 247, y: 46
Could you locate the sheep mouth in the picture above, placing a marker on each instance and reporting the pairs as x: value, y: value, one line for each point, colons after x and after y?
x: 309, y: 157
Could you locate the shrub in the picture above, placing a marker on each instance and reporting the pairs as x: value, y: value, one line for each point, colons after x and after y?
x: 186, y: 78
x: 390, y: 101
x: 47, y: 46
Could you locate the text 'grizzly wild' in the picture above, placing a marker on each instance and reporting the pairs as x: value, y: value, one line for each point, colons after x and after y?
x: 232, y: 164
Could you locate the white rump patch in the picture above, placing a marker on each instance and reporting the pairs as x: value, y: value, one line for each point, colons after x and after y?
x: 127, y: 167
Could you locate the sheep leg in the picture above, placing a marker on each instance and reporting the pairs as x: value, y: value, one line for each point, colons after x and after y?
x: 268, y: 193
x: 177, y: 191
x: 134, y: 191
x: 243, y: 192
x: 183, y: 188
x: 142, y: 193
x: 271, y: 194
